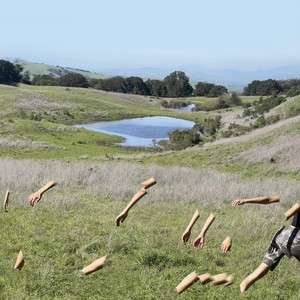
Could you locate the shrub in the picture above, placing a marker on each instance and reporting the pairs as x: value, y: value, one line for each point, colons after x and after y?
x: 262, y: 106
x: 73, y: 80
x: 235, y: 130
x: 44, y: 80
x: 260, y: 122
x: 272, y: 119
x: 229, y: 100
x: 211, y: 125
x: 173, y: 104
x: 181, y: 139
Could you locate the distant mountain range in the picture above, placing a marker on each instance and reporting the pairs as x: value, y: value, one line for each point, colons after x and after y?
x: 225, y: 77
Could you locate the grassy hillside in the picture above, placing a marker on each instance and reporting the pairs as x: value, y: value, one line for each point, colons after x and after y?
x: 269, y: 151
x: 36, y: 121
x: 77, y: 105
x: 73, y: 224
x: 34, y: 69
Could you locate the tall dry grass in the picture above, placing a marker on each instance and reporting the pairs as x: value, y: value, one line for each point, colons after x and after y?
x: 120, y: 180
x: 62, y: 239
x: 284, y: 151
x: 28, y: 101
x: 256, y: 133
x: 28, y: 144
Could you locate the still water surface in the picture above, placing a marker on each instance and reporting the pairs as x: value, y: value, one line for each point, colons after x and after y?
x: 140, y: 131
x: 188, y: 107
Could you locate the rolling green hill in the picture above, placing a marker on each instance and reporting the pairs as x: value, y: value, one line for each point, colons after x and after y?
x: 34, y: 69
x: 73, y: 224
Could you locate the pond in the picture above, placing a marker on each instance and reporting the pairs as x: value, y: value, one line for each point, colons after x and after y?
x: 141, y: 131
x: 188, y: 107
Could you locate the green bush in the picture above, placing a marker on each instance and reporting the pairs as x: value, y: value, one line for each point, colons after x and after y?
x: 260, y: 122
x: 212, y: 125
x: 262, y: 106
x: 272, y: 119
x: 181, y: 139
x: 235, y: 130
x: 173, y: 104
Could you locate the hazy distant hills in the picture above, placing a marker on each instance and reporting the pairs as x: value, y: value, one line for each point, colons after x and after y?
x: 226, y: 77
x: 44, y: 69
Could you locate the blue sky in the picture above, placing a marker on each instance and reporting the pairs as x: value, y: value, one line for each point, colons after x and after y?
x: 93, y: 34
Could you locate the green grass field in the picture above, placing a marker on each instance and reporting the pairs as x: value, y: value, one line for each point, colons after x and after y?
x: 37, y: 121
x: 73, y: 224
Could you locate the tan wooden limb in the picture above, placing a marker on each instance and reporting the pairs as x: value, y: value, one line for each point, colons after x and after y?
x: 123, y: 215
x: 186, y: 234
x: 36, y: 197
x: 219, y: 278
x: 229, y: 280
x: 94, y: 266
x: 139, y: 194
x: 226, y: 244
x: 293, y: 210
x: 261, y: 271
x: 148, y: 183
x: 47, y: 186
x: 187, y: 282
x: 6, y: 198
x: 257, y: 200
x: 205, y: 278
x: 199, y: 241
x: 193, y: 220
x: 20, y: 261
x: 207, y: 224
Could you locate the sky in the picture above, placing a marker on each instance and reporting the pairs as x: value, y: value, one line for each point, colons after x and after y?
x: 95, y: 34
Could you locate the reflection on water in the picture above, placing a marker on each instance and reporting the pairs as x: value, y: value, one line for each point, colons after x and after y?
x: 140, y: 131
x: 188, y: 107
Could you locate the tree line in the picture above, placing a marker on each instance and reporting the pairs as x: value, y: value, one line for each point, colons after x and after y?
x: 174, y: 85
x: 268, y: 87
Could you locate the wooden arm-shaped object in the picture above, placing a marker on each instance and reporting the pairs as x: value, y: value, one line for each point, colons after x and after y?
x: 36, y: 197
x: 94, y: 266
x: 257, y: 200
x: 219, y: 278
x: 226, y: 244
x: 186, y: 234
x: 148, y: 183
x: 205, y: 278
x: 199, y: 241
x: 187, y: 282
x: 123, y: 215
x: 292, y: 211
x: 5, y: 203
x: 20, y: 261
